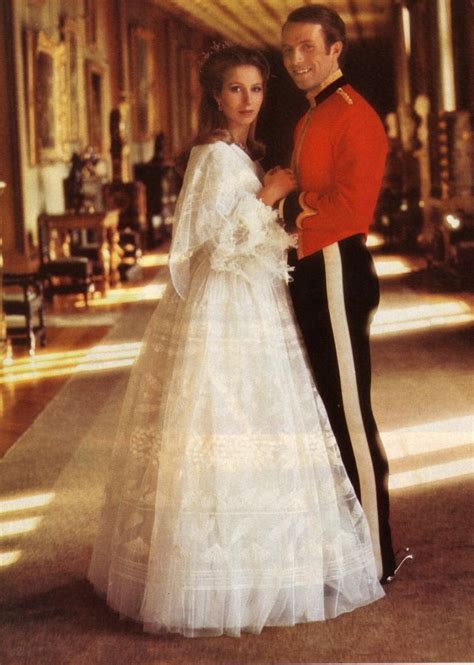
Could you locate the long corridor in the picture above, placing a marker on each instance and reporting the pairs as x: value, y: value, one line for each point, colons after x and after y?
x: 52, y: 483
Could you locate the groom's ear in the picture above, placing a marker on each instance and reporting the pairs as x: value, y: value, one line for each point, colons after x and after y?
x: 336, y: 49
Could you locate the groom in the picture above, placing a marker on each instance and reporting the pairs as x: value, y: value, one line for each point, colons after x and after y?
x: 338, y: 159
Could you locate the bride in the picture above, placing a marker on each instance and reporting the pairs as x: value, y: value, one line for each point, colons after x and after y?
x: 228, y: 508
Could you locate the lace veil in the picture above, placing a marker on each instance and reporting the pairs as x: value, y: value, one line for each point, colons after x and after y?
x: 204, y: 201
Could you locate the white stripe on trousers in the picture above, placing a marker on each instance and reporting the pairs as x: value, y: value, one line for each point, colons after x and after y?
x: 350, y: 394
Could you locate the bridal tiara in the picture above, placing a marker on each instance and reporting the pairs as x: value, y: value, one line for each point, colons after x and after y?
x: 214, y: 48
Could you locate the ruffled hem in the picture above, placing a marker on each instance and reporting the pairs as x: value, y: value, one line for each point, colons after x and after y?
x: 236, y: 611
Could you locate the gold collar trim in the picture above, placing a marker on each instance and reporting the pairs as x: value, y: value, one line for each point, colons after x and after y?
x: 314, y: 92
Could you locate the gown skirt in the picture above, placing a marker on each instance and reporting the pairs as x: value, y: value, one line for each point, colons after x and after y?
x: 228, y: 507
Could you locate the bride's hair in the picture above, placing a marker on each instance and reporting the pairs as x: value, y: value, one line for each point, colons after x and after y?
x: 212, y: 123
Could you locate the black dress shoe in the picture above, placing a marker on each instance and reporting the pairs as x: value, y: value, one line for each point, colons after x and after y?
x: 407, y: 555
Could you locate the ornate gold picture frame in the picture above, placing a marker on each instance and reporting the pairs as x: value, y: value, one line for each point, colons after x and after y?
x: 90, y: 16
x: 46, y: 97
x: 142, y: 82
x: 94, y: 75
x: 71, y: 37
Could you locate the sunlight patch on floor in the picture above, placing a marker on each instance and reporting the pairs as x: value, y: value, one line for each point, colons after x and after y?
x: 153, y: 260
x: 391, y: 266
x: 13, y: 504
x: 100, y: 357
x: 9, y: 558
x: 17, y: 527
x: 375, y: 240
x: 431, y: 437
x: 389, y: 320
x: 121, y: 296
x: 46, y: 358
x: 431, y: 474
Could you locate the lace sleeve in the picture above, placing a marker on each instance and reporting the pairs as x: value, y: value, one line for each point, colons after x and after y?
x: 217, y: 207
x: 252, y: 240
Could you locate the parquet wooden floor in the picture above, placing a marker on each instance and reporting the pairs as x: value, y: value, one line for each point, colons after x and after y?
x: 21, y: 401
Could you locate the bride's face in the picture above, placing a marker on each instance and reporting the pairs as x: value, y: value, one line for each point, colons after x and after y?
x: 241, y: 96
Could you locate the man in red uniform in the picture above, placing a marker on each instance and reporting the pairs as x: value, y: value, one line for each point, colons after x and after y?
x: 338, y: 158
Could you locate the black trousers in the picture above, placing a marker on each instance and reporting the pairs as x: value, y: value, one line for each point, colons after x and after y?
x: 335, y: 293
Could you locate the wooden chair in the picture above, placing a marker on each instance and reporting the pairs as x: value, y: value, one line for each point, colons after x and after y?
x: 129, y: 198
x: 23, y: 298
x: 60, y: 272
x: 79, y: 250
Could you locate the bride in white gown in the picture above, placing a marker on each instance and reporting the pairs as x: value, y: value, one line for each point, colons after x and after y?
x: 228, y: 508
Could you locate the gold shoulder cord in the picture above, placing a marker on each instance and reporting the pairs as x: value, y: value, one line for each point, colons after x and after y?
x: 345, y: 96
x: 296, y: 152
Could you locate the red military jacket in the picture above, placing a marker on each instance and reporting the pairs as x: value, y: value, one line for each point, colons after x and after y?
x: 338, y: 158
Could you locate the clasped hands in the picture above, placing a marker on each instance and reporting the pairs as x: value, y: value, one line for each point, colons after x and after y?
x: 277, y: 183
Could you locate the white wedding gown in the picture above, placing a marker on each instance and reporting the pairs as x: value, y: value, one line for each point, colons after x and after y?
x: 228, y: 508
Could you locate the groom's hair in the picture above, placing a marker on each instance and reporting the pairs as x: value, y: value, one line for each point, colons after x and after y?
x: 334, y: 28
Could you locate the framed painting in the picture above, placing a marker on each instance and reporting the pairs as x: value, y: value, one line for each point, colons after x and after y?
x: 94, y: 75
x: 142, y: 82
x: 73, y: 106
x: 90, y: 17
x: 173, y: 84
x: 45, y: 83
x: 189, y: 93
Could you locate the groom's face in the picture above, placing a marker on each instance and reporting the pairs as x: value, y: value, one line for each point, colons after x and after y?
x: 307, y: 58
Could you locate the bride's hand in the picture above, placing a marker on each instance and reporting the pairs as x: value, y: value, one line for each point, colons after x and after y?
x: 277, y: 183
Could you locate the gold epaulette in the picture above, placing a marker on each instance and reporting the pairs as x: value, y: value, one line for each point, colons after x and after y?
x: 345, y: 96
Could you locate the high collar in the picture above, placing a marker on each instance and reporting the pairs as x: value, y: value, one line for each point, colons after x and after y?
x: 316, y: 95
